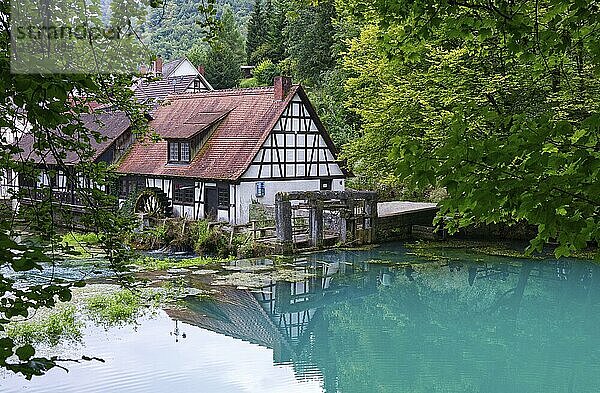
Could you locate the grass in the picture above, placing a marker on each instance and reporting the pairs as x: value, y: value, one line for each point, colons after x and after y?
x: 50, y: 329
x: 80, y: 243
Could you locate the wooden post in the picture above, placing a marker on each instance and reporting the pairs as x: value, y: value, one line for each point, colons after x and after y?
x: 315, y: 223
x: 370, y: 218
x: 343, y: 229
x: 350, y: 222
x: 283, y: 220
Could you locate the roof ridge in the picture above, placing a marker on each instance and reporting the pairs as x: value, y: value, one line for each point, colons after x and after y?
x: 228, y: 92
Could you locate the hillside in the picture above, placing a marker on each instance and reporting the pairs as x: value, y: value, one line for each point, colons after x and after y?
x: 171, y: 31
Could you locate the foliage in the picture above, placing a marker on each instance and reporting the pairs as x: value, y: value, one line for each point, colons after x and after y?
x: 249, y: 82
x: 79, y: 244
x: 225, y: 54
x: 255, y: 31
x: 49, y: 329
x: 311, y: 40
x: 211, y: 239
x: 495, y: 101
x: 265, y: 72
x: 47, y: 108
x: 197, y: 54
x: 89, y: 238
x: 267, y: 32
x: 328, y: 99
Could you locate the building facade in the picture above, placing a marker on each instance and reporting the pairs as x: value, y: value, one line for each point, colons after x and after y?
x: 217, y: 153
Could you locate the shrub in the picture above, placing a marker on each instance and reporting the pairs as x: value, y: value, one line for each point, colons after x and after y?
x: 265, y: 72
x: 250, y: 82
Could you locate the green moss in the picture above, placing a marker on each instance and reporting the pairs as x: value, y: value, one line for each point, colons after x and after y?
x: 431, y: 249
x: 50, y: 329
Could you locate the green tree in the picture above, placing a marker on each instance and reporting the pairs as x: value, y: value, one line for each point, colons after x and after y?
x: 495, y: 101
x: 311, y: 40
x: 174, y: 28
x: 225, y: 54
x: 276, y: 37
x: 265, y: 72
x: 256, y: 31
x: 197, y: 54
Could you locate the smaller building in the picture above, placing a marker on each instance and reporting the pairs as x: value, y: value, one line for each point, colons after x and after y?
x: 175, y: 77
x: 115, y: 137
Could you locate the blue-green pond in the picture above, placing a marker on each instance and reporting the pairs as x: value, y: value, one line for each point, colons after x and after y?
x: 382, y: 320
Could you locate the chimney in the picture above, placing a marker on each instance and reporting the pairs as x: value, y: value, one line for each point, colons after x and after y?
x: 282, y: 85
x: 201, y: 70
x: 158, y: 64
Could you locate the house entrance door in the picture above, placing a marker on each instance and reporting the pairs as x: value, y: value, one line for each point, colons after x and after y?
x: 211, y: 203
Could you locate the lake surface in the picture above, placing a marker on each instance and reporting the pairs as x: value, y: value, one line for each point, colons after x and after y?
x: 370, y: 321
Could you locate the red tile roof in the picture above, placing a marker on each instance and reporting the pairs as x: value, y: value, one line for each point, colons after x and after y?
x: 110, y: 125
x: 186, y: 128
x: 251, y: 115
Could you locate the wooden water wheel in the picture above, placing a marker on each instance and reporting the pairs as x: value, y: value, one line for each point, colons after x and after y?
x: 153, y: 203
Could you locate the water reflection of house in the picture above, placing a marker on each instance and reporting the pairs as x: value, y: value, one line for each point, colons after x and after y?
x: 282, y: 316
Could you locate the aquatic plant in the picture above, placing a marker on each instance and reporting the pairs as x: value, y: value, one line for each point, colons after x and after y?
x: 212, y: 240
x: 119, y: 308
x: 51, y: 329
x: 89, y: 238
x: 151, y: 263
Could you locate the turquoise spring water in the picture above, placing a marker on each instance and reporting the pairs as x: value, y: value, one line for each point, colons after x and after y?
x: 370, y: 321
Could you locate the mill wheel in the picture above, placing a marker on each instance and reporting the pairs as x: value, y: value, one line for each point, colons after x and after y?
x: 153, y: 202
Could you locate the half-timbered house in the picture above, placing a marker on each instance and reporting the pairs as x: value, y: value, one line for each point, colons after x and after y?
x: 220, y: 151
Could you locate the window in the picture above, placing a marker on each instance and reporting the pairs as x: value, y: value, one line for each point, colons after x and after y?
x: 184, y: 148
x: 130, y: 184
x: 27, y: 180
x: 179, y: 152
x: 184, y: 192
x: 173, y: 151
x: 260, y: 189
x: 223, y: 197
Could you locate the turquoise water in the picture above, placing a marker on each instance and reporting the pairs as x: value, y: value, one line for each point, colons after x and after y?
x: 370, y: 321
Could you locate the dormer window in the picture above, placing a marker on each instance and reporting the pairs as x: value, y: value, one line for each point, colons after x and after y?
x: 179, y: 152
x: 185, y: 140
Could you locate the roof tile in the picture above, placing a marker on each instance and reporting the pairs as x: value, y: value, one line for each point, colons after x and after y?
x: 250, y: 116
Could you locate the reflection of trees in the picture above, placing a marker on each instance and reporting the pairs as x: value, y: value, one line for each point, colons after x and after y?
x: 467, y: 327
